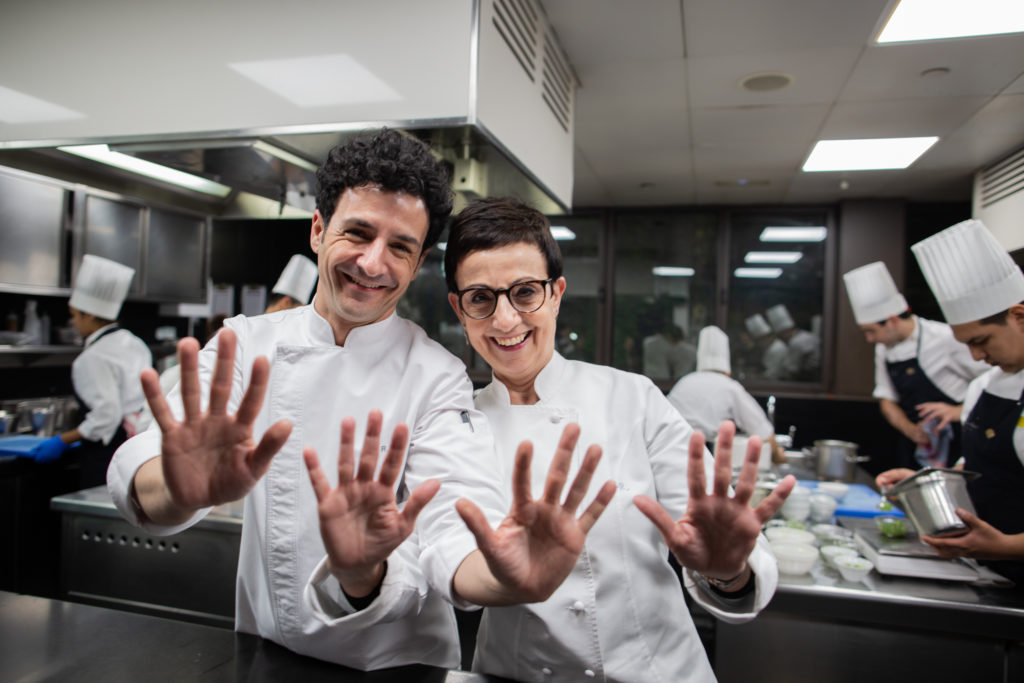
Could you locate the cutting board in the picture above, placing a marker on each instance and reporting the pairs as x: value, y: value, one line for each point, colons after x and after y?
x: 19, y: 445
x: 860, y: 501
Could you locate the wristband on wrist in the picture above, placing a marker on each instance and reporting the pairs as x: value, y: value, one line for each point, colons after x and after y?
x: 726, y: 584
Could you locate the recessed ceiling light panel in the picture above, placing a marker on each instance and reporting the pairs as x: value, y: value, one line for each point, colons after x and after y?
x: 772, y: 257
x: 914, y: 20
x: 560, y: 232
x: 762, y: 273
x: 673, y: 271
x: 812, y: 233
x: 867, y: 155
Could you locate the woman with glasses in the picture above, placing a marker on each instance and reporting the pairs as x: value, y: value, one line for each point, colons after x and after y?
x: 621, y: 614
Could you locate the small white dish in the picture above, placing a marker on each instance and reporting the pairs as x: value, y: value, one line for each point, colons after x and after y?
x: 794, y: 558
x: 853, y: 568
x: 833, y: 488
x: 785, y: 534
x: 830, y: 552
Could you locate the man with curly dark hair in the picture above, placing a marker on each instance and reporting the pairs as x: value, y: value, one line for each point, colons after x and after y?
x: 335, y: 570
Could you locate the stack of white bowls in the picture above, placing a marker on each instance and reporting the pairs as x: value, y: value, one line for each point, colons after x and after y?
x: 798, y: 506
x: 822, y: 507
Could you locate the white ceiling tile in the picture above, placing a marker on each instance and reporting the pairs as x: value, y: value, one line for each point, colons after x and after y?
x: 899, y: 118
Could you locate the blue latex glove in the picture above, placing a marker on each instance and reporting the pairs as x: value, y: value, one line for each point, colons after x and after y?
x: 48, y: 450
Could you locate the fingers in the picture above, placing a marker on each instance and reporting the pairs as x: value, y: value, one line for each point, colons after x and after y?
x: 321, y: 487
x: 223, y: 372
x: 558, y: 472
x: 597, y: 506
x: 767, y: 508
x: 521, y: 475
x: 272, y: 442
x: 582, y: 481
x: 418, y: 499
x: 371, y: 447
x: 744, y: 488
x: 476, y: 523
x: 392, y: 467
x: 346, y: 451
x: 252, y: 400
x: 188, y: 360
x: 695, y: 467
x: 155, y: 398
x: 723, y: 458
x: 653, y: 510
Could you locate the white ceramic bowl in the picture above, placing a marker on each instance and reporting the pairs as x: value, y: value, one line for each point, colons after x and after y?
x: 785, y: 534
x: 822, y: 507
x: 853, y: 568
x: 830, y: 552
x: 795, y: 558
x: 826, y: 533
x: 833, y: 488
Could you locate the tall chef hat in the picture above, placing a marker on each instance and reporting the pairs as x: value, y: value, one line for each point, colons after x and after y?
x: 779, y: 318
x: 873, y: 294
x: 970, y: 274
x: 101, y: 286
x: 757, y: 326
x: 713, y: 350
x: 297, y: 279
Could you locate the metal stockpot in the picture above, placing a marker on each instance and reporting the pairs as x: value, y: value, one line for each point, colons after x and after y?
x: 930, y: 498
x: 835, y: 460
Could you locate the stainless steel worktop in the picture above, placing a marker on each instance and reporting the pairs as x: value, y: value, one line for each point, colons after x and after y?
x: 96, y: 501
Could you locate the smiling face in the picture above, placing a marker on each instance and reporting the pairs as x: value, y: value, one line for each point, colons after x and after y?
x: 995, y: 343
x: 366, y: 256
x: 516, y: 345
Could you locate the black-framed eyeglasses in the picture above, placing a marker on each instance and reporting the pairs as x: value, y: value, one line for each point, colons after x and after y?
x: 526, y: 297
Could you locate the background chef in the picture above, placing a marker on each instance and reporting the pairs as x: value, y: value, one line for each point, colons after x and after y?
x: 803, y: 349
x: 295, y: 285
x: 981, y: 292
x: 105, y: 375
x: 921, y: 371
x: 710, y: 395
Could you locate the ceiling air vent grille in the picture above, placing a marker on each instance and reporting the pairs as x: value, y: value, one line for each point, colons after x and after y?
x: 1002, y: 180
x: 516, y: 22
x: 557, y: 83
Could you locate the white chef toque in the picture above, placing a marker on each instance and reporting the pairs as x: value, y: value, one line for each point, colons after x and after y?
x: 873, y: 294
x: 713, y: 350
x: 970, y: 274
x: 757, y: 326
x: 297, y: 279
x: 101, y: 286
x: 779, y: 318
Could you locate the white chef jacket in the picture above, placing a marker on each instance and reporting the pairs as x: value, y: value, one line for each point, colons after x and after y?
x: 105, y: 376
x: 946, y: 362
x: 620, y: 615
x: 705, y: 399
x: 1003, y: 385
x: 774, y: 359
x: 281, y: 594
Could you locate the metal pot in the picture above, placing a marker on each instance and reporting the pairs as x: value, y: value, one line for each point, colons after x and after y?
x: 835, y: 460
x: 930, y: 498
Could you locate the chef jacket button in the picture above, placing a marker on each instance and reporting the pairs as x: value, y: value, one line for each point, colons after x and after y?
x: 577, y: 606
x: 546, y: 671
x: 555, y: 419
x: 588, y: 673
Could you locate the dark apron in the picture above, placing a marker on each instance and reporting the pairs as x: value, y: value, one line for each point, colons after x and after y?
x: 94, y: 456
x: 998, y: 494
x: 914, y: 387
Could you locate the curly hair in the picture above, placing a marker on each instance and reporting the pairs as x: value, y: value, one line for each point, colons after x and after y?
x: 498, y: 222
x: 395, y: 162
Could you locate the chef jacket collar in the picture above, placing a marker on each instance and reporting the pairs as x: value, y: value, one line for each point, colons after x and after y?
x: 97, y: 334
x: 546, y: 384
x: 359, y: 337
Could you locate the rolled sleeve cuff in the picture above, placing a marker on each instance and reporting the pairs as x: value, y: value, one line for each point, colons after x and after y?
x: 328, y: 603
x: 766, y: 577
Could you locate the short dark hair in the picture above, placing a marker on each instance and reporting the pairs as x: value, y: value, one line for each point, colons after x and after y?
x: 499, y: 222
x: 905, y: 315
x: 396, y: 162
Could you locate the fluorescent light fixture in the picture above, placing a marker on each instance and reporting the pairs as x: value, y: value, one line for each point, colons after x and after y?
x: 102, y: 154
x: 442, y: 246
x: 560, y: 232
x: 673, y: 271
x: 938, y: 19
x: 867, y: 155
x: 763, y: 273
x: 814, y: 233
x: 284, y: 155
x: 17, y: 107
x: 327, y: 80
x: 772, y: 257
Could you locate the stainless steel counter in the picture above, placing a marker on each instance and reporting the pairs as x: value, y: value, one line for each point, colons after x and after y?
x: 51, y: 640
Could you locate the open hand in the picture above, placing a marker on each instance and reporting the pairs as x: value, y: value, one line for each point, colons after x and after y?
x: 718, y: 531
x: 210, y: 457
x: 360, y: 522
x: 982, y: 541
x: 537, y: 545
x: 944, y: 412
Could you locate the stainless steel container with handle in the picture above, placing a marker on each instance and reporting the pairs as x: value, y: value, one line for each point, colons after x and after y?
x: 930, y: 498
x: 835, y: 460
